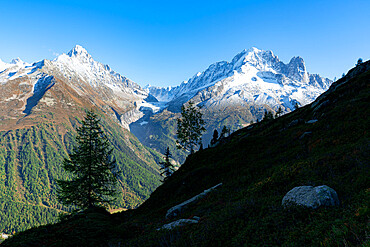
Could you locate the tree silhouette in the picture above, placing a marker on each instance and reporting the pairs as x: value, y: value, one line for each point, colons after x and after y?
x: 166, y: 165
x: 359, y: 61
x: 278, y: 112
x: 189, y: 128
x: 225, y: 131
x: 268, y: 115
x: 90, y: 163
x: 214, y: 137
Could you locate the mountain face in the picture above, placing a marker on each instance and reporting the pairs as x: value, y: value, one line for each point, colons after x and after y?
x: 253, y: 76
x: 231, y: 93
x: 41, y: 104
x: 85, y: 77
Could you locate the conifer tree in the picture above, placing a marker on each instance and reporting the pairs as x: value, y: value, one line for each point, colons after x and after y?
x: 91, y: 166
x: 189, y: 128
x: 278, y: 112
x: 225, y: 131
x: 268, y: 116
x: 166, y: 165
x: 214, y: 137
x: 359, y: 62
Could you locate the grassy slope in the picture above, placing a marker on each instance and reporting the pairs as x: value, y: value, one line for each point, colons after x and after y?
x: 257, y: 166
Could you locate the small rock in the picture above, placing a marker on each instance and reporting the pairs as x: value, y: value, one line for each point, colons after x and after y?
x: 295, y: 122
x: 177, y: 223
x: 312, y: 121
x: 317, y: 105
x: 311, y: 197
x: 308, y: 133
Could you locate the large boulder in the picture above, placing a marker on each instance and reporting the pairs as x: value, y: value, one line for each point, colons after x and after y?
x: 311, y: 197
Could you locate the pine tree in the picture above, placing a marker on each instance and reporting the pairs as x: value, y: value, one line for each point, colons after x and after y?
x: 225, y: 131
x: 166, y: 165
x: 359, y: 62
x: 268, y: 115
x: 215, y: 137
x: 296, y: 106
x: 189, y: 128
x: 93, y: 182
x: 278, y: 112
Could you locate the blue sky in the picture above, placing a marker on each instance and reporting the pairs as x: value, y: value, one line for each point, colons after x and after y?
x: 166, y: 42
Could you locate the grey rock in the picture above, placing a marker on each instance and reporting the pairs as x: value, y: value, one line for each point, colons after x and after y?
x: 196, y: 218
x: 305, y: 134
x: 320, y: 104
x: 311, y: 197
x: 176, y: 210
x: 295, y: 122
x: 312, y: 121
x: 177, y: 223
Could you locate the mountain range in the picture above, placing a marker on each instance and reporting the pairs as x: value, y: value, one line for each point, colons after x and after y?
x: 253, y: 76
x: 42, y: 103
x: 231, y: 94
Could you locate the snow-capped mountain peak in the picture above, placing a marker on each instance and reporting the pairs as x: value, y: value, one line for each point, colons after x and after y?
x: 17, y: 61
x: 78, y: 51
x: 250, y: 74
x: 79, y: 74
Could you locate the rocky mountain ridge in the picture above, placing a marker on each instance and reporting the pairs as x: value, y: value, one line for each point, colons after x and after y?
x: 76, y: 68
x: 253, y: 75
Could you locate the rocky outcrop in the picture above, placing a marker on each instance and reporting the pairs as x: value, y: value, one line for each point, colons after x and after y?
x: 176, y: 210
x: 129, y: 117
x: 180, y: 222
x: 311, y: 197
x: 312, y: 121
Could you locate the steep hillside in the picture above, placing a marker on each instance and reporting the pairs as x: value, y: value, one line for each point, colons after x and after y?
x: 31, y: 159
x: 40, y: 107
x: 323, y: 143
